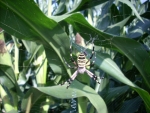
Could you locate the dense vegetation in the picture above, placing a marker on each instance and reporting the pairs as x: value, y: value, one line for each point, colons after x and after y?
x: 35, y: 38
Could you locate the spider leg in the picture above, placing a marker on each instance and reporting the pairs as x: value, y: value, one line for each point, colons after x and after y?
x: 69, y: 81
x: 72, y: 60
x: 92, y: 63
x: 91, y: 54
x: 92, y: 76
x: 68, y: 65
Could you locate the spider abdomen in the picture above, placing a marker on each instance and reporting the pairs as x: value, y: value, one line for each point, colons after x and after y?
x: 81, y: 60
x: 81, y: 70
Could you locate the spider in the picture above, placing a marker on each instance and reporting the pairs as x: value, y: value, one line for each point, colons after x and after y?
x: 80, y: 66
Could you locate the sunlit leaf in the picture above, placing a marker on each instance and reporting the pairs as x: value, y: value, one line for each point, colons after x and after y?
x: 63, y: 93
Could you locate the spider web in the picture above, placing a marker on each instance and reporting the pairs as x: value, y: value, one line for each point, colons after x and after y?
x: 110, y: 51
x: 106, y: 46
x: 103, y: 43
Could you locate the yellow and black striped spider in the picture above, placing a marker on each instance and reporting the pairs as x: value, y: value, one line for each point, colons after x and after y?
x: 80, y: 66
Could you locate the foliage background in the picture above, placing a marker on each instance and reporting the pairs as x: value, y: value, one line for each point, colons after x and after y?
x: 38, y: 40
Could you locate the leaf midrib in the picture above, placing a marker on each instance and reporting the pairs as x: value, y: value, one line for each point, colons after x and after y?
x: 38, y: 32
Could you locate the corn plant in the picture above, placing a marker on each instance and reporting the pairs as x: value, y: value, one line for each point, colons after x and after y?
x: 35, y: 39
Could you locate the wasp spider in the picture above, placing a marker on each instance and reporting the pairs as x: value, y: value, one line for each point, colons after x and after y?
x: 80, y: 66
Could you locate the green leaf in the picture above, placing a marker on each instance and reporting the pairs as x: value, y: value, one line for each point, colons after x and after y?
x: 84, y: 4
x: 113, y: 93
x: 119, y: 43
x: 139, y: 29
x: 61, y: 8
x: 131, y: 105
x: 103, y: 22
x: 8, y: 105
x: 132, y: 7
x: 13, y: 111
x: 63, y: 93
x: 37, y: 28
x: 104, y: 62
x: 7, y: 73
x: 28, y: 107
x: 115, y: 29
x: 114, y: 14
x: 41, y: 71
x: 23, y: 78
